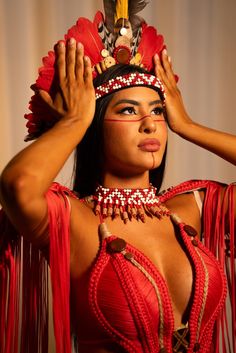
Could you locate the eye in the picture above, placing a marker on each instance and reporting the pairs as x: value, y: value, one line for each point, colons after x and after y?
x: 127, y: 111
x: 158, y: 111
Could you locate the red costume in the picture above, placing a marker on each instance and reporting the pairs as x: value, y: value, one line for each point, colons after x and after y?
x: 127, y: 300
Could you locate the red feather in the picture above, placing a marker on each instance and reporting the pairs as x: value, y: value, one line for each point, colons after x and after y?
x: 151, y: 43
x: 86, y: 32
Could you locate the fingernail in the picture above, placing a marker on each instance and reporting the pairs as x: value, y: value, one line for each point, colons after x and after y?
x: 156, y: 56
x: 164, y: 51
x: 169, y: 59
x: 61, y: 44
x: 79, y: 45
x: 71, y: 41
x: 87, y: 59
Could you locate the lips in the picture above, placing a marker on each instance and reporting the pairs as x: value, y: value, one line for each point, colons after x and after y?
x: 149, y: 145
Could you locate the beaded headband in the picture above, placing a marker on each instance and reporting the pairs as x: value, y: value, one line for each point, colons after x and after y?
x: 126, y: 81
x: 119, y: 37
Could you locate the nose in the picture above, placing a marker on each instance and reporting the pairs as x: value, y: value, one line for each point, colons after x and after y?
x: 147, y: 125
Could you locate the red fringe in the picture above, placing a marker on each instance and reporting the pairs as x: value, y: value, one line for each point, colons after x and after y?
x: 24, y: 272
x: 59, y: 216
x: 23, y: 289
x: 218, y: 221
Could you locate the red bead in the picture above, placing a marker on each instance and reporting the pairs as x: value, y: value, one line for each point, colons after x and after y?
x: 122, y: 54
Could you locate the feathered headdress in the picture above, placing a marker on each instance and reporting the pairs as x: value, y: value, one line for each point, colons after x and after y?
x: 121, y: 37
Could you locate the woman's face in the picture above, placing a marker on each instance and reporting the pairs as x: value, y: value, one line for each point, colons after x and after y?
x: 135, y: 132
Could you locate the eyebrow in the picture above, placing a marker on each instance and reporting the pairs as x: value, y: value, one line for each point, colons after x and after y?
x: 131, y: 101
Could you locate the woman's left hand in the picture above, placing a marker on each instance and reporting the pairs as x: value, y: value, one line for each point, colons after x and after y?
x: 221, y: 143
x: 177, y: 116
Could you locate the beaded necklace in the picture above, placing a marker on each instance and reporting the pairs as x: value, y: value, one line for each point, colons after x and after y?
x: 127, y: 203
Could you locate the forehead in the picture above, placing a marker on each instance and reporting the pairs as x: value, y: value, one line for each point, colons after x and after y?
x: 138, y: 93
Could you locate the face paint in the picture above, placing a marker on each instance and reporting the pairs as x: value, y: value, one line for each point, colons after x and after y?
x: 135, y: 120
x: 153, y: 159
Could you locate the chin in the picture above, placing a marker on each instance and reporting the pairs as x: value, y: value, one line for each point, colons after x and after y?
x: 153, y: 162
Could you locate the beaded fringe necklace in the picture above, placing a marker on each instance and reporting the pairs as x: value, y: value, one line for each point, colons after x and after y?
x: 127, y: 203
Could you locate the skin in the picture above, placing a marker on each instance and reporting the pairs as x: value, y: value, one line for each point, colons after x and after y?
x: 29, y: 175
x: 133, y: 115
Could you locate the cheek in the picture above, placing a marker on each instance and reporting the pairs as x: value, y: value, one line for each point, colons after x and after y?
x: 164, y: 131
x: 117, y: 136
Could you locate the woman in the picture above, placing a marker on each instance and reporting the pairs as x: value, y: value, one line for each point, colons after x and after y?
x: 165, y: 291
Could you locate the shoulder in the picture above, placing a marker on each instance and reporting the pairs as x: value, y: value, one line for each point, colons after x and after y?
x: 186, y: 207
x: 188, y: 186
x: 186, y: 199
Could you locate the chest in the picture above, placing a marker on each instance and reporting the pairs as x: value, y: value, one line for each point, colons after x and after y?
x: 163, y: 262
x: 158, y: 240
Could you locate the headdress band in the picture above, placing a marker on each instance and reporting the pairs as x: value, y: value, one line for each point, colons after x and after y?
x: 126, y: 81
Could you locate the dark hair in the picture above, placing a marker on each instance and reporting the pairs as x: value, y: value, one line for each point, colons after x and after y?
x: 89, y: 152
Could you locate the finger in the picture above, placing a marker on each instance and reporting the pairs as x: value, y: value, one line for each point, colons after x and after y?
x: 157, y: 66
x: 60, y: 60
x: 70, y: 59
x: 52, y: 106
x: 45, y: 96
x: 58, y: 102
x: 88, y: 77
x: 166, y: 60
x: 159, y: 71
x: 79, y: 67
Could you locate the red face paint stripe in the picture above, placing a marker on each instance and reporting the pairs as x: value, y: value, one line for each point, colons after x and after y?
x: 131, y: 121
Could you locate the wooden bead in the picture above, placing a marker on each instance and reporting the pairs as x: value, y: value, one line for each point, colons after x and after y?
x: 190, y: 230
x: 117, y: 245
x: 122, y: 55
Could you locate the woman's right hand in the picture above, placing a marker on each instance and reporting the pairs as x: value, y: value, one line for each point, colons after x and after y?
x: 75, y: 98
x: 29, y: 175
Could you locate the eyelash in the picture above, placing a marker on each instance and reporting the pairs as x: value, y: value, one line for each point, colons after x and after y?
x: 131, y: 110
x: 160, y: 110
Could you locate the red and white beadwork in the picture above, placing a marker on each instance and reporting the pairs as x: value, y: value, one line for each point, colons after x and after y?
x: 128, y: 203
x: 129, y: 80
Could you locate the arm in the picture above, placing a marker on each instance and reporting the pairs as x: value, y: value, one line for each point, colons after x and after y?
x: 27, y: 177
x: 220, y: 143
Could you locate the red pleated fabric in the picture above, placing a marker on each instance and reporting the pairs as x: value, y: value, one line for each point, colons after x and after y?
x: 24, y: 272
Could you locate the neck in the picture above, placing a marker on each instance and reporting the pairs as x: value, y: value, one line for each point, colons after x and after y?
x: 137, y: 181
